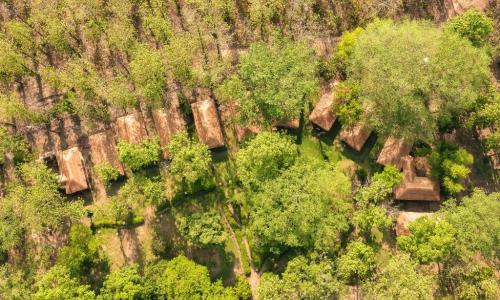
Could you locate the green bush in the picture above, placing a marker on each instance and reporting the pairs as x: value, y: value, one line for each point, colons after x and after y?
x: 139, y: 156
x: 346, y: 104
x: 472, y: 25
x: 13, y: 144
x: 106, y: 172
x: 202, y: 229
x: 451, y: 165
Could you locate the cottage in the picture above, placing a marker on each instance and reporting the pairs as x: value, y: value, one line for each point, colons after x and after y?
x: 207, y: 123
x: 415, y: 187
x: 168, y: 121
x: 405, y: 218
x: 355, y: 136
x: 131, y: 129
x: 392, y: 152
x: 72, y: 172
x: 322, y: 114
x: 103, y: 149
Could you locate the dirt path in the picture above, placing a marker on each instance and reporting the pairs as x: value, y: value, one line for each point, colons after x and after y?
x: 238, y: 267
x: 254, y: 278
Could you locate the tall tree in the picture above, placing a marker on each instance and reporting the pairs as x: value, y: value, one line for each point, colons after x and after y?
x: 417, y: 74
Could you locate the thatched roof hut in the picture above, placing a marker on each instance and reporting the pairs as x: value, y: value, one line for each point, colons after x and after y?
x: 322, y: 114
x: 168, y: 121
x: 72, y: 172
x: 355, y: 136
x: 405, y: 218
x: 392, y: 152
x: 415, y: 187
x: 131, y: 129
x: 207, y: 123
x: 103, y: 149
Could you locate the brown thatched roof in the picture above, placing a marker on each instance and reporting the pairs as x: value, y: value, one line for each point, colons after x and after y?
x: 405, y: 218
x: 207, y: 123
x: 130, y: 128
x: 355, y: 136
x: 322, y: 114
x: 288, y: 124
x: 392, y: 152
x: 72, y: 172
x: 414, y: 187
x: 168, y: 121
x: 103, y: 149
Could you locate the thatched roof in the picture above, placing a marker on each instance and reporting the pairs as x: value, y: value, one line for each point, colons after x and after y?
x: 392, y: 152
x: 130, y: 128
x: 72, y: 171
x: 103, y: 149
x: 405, y: 218
x: 207, y: 123
x: 168, y: 121
x: 414, y: 187
x: 355, y: 136
x: 322, y: 114
x: 288, y: 124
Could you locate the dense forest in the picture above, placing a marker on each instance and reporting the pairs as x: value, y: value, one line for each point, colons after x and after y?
x: 249, y: 149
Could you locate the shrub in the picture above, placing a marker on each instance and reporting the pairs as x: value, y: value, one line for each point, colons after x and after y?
x: 106, y: 172
x: 472, y: 25
x: 139, y: 156
x: 451, y: 165
x: 346, y: 103
x: 203, y: 229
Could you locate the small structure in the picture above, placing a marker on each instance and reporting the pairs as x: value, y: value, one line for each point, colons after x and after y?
x: 72, y: 172
x: 415, y: 187
x: 293, y: 124
x: 103, y: 149
x: 355, y: 136
x: 131, y: 129
x: 168, y: 121
x: 322, y: 114
x: 405, y: 218
x: 207, y: 123
x: 392, y: 152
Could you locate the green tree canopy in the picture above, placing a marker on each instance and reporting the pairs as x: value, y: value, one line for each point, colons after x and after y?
x: 273, y: 82
x: 302, y: 279
x: 473, y: 25
x: 306, y: 207
x: 400, y: 279
x: 57, y: 284
x: 264, y: 157
x: 190, y: 159
x: 139, y: 156
x: 203, y: 229
x: 357, y: 263
x: 125, y: 283
x: 411, y: 73
x: 429, y: 240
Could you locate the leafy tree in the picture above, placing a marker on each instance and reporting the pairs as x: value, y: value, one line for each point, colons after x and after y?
x: 372, y: 221
x: 202, y: 229
x: 452, y: 165
x: 381, y: 186
x: 429, y: 240
x: 190, y: 160
x: 477, y: 227
x: 117, y: 92
x: 12, y: 63
x: 180, y: 52
x: 357, y: 263
x: 302, y: 279
x: 345, y: 47
x: 81, y: 256
x: 417, y: 74
x: 303, y: 208
x: 106, y: 172
x: 57, y: 284
x: 264, y: 157
x: 125, y: 283
x: 346, y: 104
x: 12, y: 144
x: 473, y: 25
x: 14, y: 283
x: 12, y: 107
x: 472, y: 280
x: 148, y: 72
x: 276, y: 81
x: 400, y: 279
x: 139, y: 156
